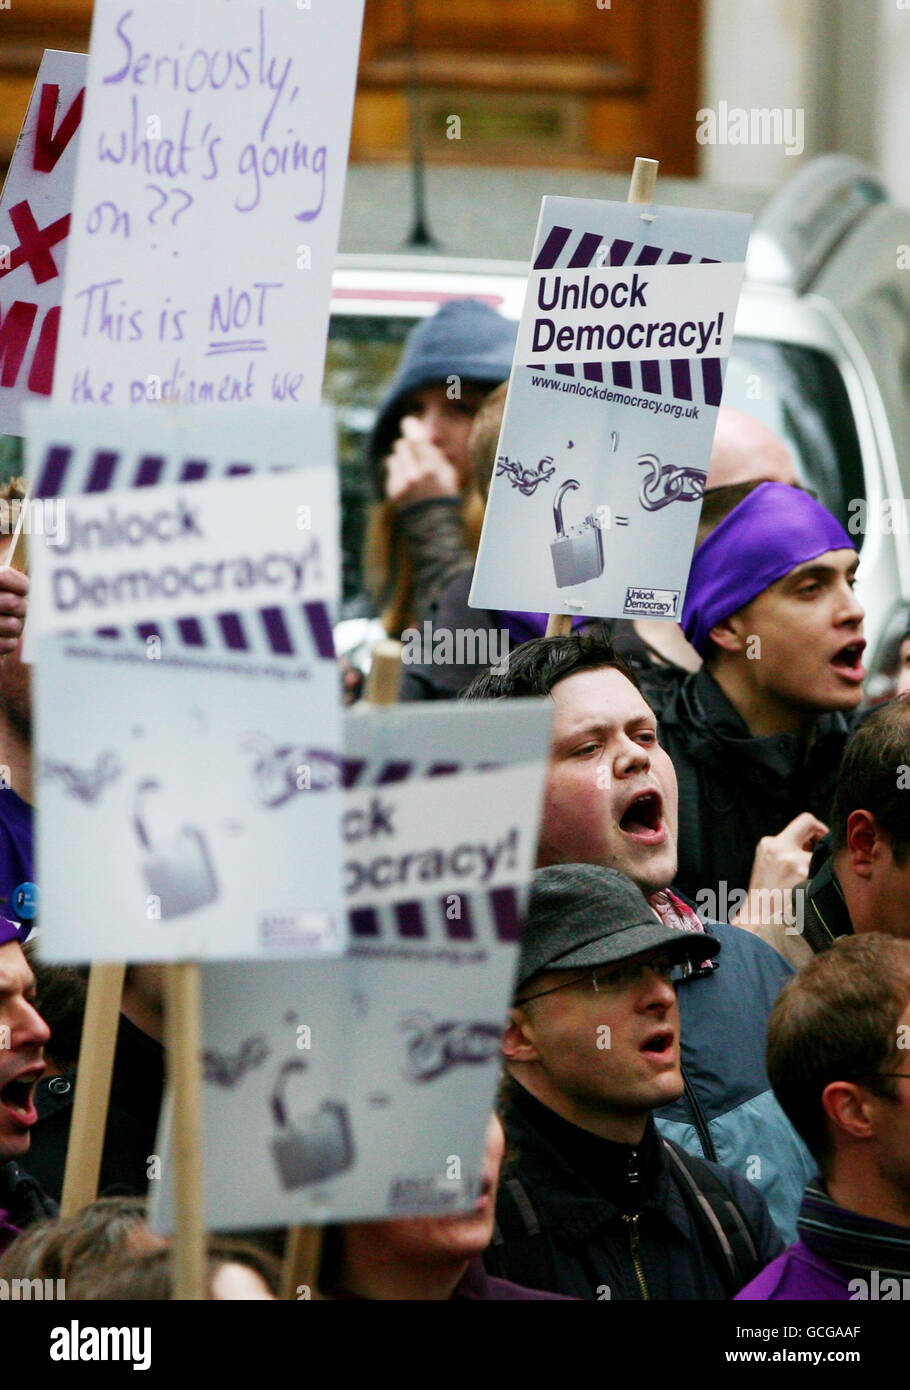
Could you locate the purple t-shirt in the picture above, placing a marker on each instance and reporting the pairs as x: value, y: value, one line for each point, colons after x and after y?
x: 16, y: 860
x: 797, y: 1274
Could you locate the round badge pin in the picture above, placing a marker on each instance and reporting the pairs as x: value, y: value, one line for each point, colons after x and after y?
x: 25, y: 901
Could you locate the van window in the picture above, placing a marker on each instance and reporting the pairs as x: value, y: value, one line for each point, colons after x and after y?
x: 363, y: 352
x: 800, y: 394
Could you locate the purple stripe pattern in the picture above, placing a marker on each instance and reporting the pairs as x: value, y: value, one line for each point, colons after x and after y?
x: 149, y: 471
x: 101, y: 475
x: 584, y: 254
x: 276, y: 631
x: 232, y: 631
x: 50, y: 479
x: 460, y: 928
x: 394, y: 772
x: 317, y: 616
x: 409, y: 917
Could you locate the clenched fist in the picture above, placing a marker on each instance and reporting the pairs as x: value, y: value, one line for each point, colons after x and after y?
x: 13, y: 605
x: 416, y: 469
x: 781, y: 863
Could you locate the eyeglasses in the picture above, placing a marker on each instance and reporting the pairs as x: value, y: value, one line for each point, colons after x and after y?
x: 613, y: 978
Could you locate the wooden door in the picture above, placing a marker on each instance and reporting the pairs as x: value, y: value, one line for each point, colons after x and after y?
x: 573, y: 82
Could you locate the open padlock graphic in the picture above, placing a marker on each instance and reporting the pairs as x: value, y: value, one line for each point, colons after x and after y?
x: 313, y: 1146
x: 178, y: 871
x: 578, y: 554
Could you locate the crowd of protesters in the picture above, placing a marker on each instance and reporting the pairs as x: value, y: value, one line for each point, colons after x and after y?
x: 702, y: 1089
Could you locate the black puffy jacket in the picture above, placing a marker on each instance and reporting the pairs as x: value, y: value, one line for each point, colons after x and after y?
x: 589, y: 1246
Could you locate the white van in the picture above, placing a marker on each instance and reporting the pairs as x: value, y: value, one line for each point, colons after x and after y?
x: 821, y: 354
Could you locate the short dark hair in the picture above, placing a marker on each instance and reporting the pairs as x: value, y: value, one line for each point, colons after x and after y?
x: 870, y: 778
x: 718, y: 503
x: 837, y: 1021
x: 536, y: 666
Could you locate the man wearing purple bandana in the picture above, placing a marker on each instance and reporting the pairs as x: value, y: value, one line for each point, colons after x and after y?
x: 23, y: 1034
x: 756, y: 736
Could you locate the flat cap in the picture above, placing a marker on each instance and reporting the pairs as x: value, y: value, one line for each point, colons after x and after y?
x: 585, y: 914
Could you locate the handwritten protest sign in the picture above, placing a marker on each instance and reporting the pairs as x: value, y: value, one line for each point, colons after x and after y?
x: 611, y: 408
x: 188, y: 781
x: 34, y: 233
x: 208, y: 202
x: 312, y: 1075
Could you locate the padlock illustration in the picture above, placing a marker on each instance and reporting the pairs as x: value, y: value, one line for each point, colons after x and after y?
x: 313, y: 1146
x: 178, y: 872
x: 578, y: 554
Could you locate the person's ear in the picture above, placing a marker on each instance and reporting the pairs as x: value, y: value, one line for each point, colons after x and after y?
x: 864, y: 843
x: 729, y: 634
x: 518, y: 1044
x: 848, y: 1107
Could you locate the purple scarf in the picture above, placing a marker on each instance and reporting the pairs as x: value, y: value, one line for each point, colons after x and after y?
x: 771, y: 531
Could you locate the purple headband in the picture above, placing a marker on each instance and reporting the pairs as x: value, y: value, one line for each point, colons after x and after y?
x: 13, y: 931
x: 771, y: 531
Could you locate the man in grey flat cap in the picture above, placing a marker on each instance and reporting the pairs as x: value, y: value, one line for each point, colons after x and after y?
x: 595, y: 1204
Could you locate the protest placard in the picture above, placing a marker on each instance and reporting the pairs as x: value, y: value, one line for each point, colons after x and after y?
x: 208, y: 202
x: 611, y: 408
x: 254, y: 541
x: 188, y: 780
x: 313, y: 1073
x: 34, y: 233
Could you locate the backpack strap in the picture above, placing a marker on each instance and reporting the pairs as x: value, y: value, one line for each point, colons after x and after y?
x: 519, y: 1250
x: 718, y: 1216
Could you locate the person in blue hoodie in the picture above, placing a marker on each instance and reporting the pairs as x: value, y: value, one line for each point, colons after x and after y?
x: 611, y: 799
x: 427, y: 515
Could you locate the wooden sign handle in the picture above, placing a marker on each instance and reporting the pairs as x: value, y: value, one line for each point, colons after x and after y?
x: 18, y: 561
x: 183, y: 1035
x: 385, y: 673
x: 93, y: 1088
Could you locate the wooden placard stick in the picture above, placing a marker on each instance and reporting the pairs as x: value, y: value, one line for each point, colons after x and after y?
x: 13, y: 560
x: 93, y: 1088
x: 183, y: 1036
x: 303, y: 1247
x: 641, y: 190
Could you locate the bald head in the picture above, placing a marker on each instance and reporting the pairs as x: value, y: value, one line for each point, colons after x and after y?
x: 745, y: 450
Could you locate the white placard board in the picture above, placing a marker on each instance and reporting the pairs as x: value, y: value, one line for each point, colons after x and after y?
x: 611, y: 407
x: 315, y: 1072
x: 208, y: 202
x: 188, y: 801
x: 35, y: 213
x: 185, y: 550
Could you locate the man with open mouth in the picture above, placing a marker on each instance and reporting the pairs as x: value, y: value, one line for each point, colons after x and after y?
x: 757, y: 735
x: 611, y: 800
x: 595, y: 1204
x: 23, y: 1034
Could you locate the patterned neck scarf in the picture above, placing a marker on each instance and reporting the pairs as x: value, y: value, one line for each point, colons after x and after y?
x: 673, y: 912
x: 845, y: 1238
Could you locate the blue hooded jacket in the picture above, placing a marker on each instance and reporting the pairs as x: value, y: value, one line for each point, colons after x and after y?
x: 728, y: 1112
x: 465, y: 338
